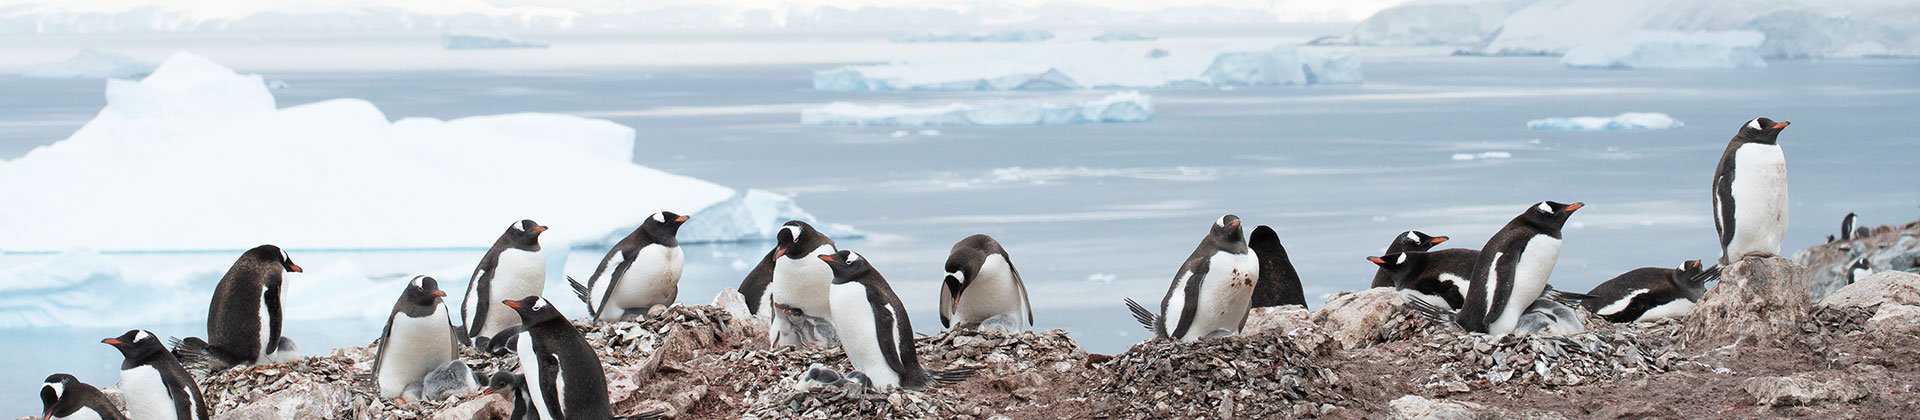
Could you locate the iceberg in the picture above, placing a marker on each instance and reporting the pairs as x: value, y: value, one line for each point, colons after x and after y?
x: 1481, y: 156
x: 472, y: 41
x: 997, y: 36
x: 1670, y: 50
x: 1095, y: 67
x: 91, y: 64
x: 751, y: 216
x: 1792, y: 28
x: 1123, y: 107
x: 1124, y: 36
x: 1433, y: 22
x: 1626, y: 121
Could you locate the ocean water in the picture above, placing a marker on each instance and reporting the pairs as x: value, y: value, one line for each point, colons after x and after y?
x: 1093, y: 214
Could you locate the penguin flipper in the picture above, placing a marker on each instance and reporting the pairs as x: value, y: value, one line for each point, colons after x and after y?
x: 195, y: 352
x: 584, y: 292
x: 1140, y: 313
x: 1707, y: 275
x: 953, y: 376
x: 1565, y: 297
x: 1436, y: 314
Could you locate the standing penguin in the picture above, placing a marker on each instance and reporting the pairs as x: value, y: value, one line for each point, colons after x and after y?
x: 982, y: 289
x: 640, y: 272
x: 563, y: 378
x: 419, y: 337
x: 1513, y: 268
x: 153, y: 383
x: 1409, y: 241
x: 798, y: 282
x: 1650, y: 293
x: 1213, y: 290
x: 513, y: 268
x: 1438, y: 277
x: 1847, y: 226
x: 874, y: 329
x: 1750, y: 192
x: 64, y: 397
x: 243, y: 322
x: 1279, y: 282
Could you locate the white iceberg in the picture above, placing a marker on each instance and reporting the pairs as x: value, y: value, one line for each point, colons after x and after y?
x: 753, y: 216
x: 1626, y: 121
x: 996, y: 36
x: 1123, y: 36
x: 1670, y: 50
x: 1434, y: 22
x: 1793, y: 28
x: 196, y: 157
x: 478, y: 41
x: 1123, y: 107
x: 1102, y: 67
x: 91, y: 64
x: 1481, y: 156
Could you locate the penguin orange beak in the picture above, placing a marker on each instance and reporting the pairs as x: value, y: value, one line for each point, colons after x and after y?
x: 1575, y: 206
x: 111, y: 341
x: 295, y: 268
x: 1780, y: 125
x: 512, y: 304
x: 1234, y: 225
x: 1438, y: 240
x: 486, y: 392
x: 780, y: 251
x: 827, y: 258
x: 1377, y: 260
x: 681, y: 219
x: 538, y: 229
x: 440, y: 293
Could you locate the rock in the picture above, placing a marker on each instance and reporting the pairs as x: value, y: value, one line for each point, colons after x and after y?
x: 302, y: 401
x: 1887, y: 248
x: 1290, y: 321
x: 1895, y: 320
x: 1367, y: 317
x: 1414, y: 407
x: 1761, y: 301
x: 732, y: 302
x: 1801, y: 389
x: 492, y: 406
x: 1880, y: 288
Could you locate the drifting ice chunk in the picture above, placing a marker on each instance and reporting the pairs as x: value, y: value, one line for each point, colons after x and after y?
x: 91, y: 64
x: 1626, y: 121
x: 1670, y: 50
x: 1434, y: 22
x: 1121, y: 107
x: 1124, y: 36
x: 469, y: 41
x: 998, y: 36
x: 753, y: 216
x: 1092, y: 67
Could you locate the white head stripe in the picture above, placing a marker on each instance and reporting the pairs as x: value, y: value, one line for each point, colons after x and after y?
x: 1401, y: 259
x: 284, y: 257
x: 416, y: 280
x: 58, y: 389
x: 853, y: 256
x: 539, y: 304
x: 1755, y: 124
x: 1222, y: 222
x: 660, y: 217
x: 1412, y: 237
x: 142, y: 335
x: 961, y: 276
x: 1544, y: 208
x: 792, y: 232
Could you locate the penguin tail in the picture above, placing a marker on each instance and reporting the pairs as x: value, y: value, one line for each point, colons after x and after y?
x: 582, y: 291
x: 952, y: 376
x: 1432, y: 313
x: 1141, y: 314
x: 1707, y: 275
x: 196, y: 353
x: 1570, y: 299
x: 646, y: 415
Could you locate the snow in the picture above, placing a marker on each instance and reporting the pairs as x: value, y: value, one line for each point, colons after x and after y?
x: 996, y: 36
x: 1122, y: 36
x: 1626, y: 121
x: 1434, y: 22
x: 1123, y: 107
x: 91, y: 64
x: 1095, y: 66
x: 1792, y: 28
x: 473, y: 41
x: 197, y: 157
x: 1670, y: 50
x: 748, y: 217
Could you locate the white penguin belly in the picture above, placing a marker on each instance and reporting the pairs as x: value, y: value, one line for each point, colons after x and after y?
x: 266, y: 329
x: 991, y: 293
x: 1759, y: 193
x: 1226, y: 293
x: 517, y: 275
x: 1436, y: 301
x: 1529, y: 281
x: 854, y: 322
x: 83, y: 414
x: 146, y: 394
x: 803, y: 283
x: 652, y: 279
x: 1675, y: 309
x: 530, y: 369
x: 413, y: 348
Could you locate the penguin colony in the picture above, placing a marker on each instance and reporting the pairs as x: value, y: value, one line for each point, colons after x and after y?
x: 816, y: 294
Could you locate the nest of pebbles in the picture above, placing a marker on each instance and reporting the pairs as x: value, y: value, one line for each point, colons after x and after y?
x: 333, y: 383
x: 1259, y: 376
x: 1001, y: 351
x: 1595, y: 356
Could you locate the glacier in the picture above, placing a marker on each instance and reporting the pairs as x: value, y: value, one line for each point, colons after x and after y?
x: 1792, y: 28
x: 1082, y: 66
x: 751, y: 216
x: 1433, y: 22
x: 1670, y: 50
x: 995, y: 36
x: 90, y: 64
x: 1122, y: 107
x: 1625, y: 121
x: 478, y: 41
x: 1123, y: 36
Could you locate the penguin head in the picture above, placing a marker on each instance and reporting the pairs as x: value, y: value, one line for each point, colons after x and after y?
x: 136, y: 344
x: 500, y: 381
x: 1691, y: 267
x: 1550, y: 216
x: 796, y: 238
x: 533, y: 310
x: 524, y: 234
x: 1226, y: 231
x: 848, y: 266
x: 1400, y: 261
x: 1761, y: 130
x: 664, y: 224
x: 275, y: 255
x: 53, y: 390
x: 1414, y: 240
x: 424, y: 291
x: 1859, y: 270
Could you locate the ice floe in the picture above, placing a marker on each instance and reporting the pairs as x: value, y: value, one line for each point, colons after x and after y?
x: 1625, y: 121
x: 1122, y: 107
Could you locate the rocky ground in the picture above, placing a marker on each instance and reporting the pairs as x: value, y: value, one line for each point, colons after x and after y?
x: 1758, y: 346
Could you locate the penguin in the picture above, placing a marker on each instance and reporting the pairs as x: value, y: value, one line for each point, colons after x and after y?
x: 562, y: 375
x: 640, y: 272
x: 515, y: 387
x: 513, y: 268
x: 1438, y: 277
x: 1847, y: 227
x: 418, y: 338
x: 243, y: 320
x: 64, y: 397
x: 1549, y: 317
x: 1213, y: 289
x: 1409, y: 241
x: 874, y: 329
x: 1859, y: 270
x: 452, y: 377
x: 798, y: 280
x: 1513, y: 268
x: 1750, y: 192
x: 1279, y: 283
x: 153, y: 383
x: 1651, y: 293
x: 982, y: 289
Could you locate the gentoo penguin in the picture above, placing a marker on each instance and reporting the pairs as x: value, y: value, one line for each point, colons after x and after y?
x: 516, y: 388
x: 1279, y: 282
x: 798, y: 280
x: 1549, y: 317
x: 1750, y: 192
x: 419, y: 337
x: 982, y: 289
x: 562, y: 375
x: 1213, y: 290
x: 1847, y: 226
x: 1409, y: 241
x: 1859, y: 270
x: 1513, y: 268
x: 1650, y: 293
x: 243, y: 321
x: 1438, y: 277
x: 64, y: 397
x: 641, y: 271
x: 514, y: 268
x: 153, y: 383
x: 874, y: 329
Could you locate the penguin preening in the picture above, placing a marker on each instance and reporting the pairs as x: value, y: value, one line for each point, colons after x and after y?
x: 64, y: 397
x: 513, y: 268
x: 243, y: 321
x: 797, y: 281
x: 1513, y: 268
x: 1279, y: 283
x: 1212, y: 291
x: 982, y: 289
x: 418, y: 338
x: 873, y: 327
x: 640, y: 272
x: 1651, y: 293
x: 1750, y: 192
x: 1409, y: 241
x: 1438, y: 277
x: 563, y: 377
x: 153, y: 383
